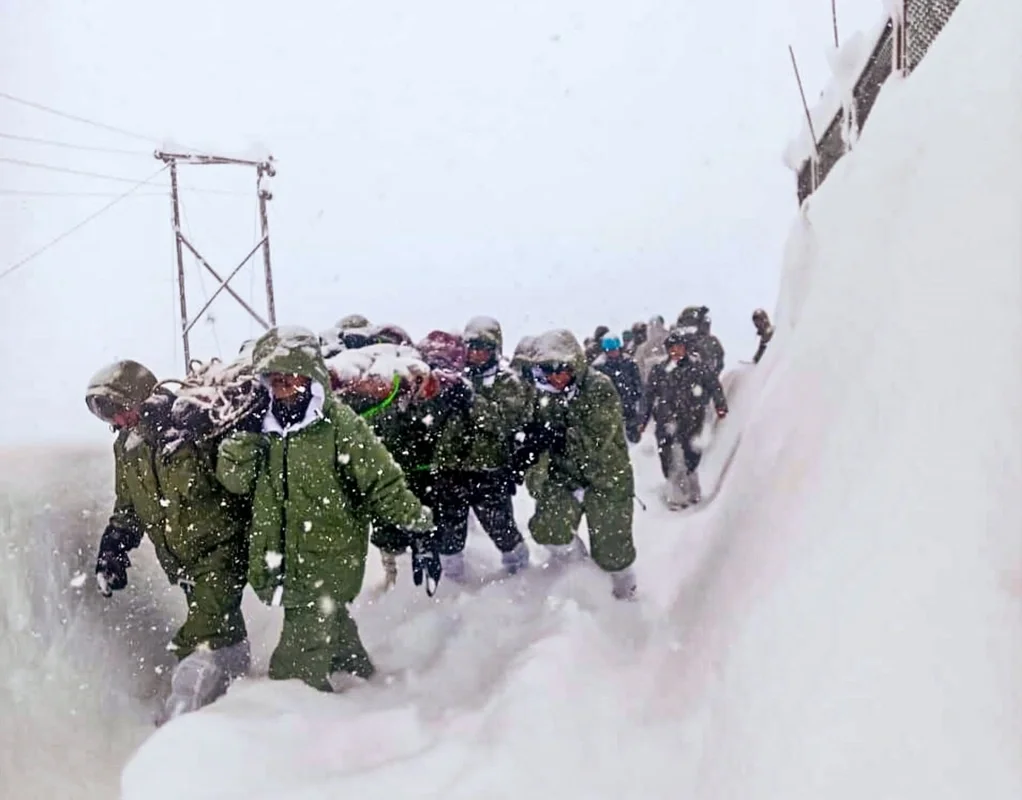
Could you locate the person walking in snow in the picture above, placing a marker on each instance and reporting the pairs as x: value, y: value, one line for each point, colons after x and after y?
x: 592, y: 346
x: 412, y: 433
x: 677, y: 395
x: 473, y: 459
x: 765, y: 331
x: 198, y: 529
x: 638, y: 337
x: 651, y: 351
x: 586, y: 469
x: 319, y: 477
x: 624, y: 374
x: 695, y: 321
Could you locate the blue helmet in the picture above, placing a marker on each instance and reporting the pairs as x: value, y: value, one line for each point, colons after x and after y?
x: 610, y: 343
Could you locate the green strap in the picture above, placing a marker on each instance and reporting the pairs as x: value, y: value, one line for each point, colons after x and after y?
x: 369, y: 413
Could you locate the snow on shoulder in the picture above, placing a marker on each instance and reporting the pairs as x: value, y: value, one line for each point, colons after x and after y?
x: 849, y: 626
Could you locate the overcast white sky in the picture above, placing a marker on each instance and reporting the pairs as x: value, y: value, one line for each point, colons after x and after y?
x: 548, y: 162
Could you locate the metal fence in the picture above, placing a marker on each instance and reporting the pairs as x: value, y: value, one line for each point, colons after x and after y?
x: 901, y: 47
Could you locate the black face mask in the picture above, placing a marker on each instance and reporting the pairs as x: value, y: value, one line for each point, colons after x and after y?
x: 293, y: 411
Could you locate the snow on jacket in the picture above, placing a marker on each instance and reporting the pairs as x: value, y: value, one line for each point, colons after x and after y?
x: 589, y: 450
x: 195, y: 525
x: 678, y: 392
x: 485, y: 438
x: 318, y: 485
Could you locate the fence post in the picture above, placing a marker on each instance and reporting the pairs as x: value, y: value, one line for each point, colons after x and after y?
x: 899, y: 52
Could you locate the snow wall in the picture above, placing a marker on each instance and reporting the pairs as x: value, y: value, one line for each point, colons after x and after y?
x: 841, y: 620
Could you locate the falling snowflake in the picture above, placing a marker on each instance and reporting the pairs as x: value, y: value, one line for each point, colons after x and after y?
x: 428, y: 420
x: 307, y: 525
x: 520, y: 437
x: 697, y: 390
x: 274, y: 559
x: 327, y: 605
x: 343, y: 458
x: 78, y: 581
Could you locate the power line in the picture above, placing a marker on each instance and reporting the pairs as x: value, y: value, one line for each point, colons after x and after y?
x: 76, y: 118
x: 71, y: 146
x: 83, y: 223
x: 44, y: 193
x: 36, y: 165
x: 31, y: 193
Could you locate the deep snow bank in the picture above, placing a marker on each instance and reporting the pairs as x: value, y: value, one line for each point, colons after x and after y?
x: 848, y: 617
x: 854, y: 631
x: 77, y: 672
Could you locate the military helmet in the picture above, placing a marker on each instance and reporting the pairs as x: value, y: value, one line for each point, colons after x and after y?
x: 119, y: 387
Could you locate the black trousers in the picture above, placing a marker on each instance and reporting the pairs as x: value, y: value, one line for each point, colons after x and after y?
x: 486, y: 493
x: 665, y: 445
x: 391, y: 538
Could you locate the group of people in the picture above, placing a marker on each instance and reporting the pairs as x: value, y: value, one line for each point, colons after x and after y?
x: 669, y: 376
x: 278, y: 470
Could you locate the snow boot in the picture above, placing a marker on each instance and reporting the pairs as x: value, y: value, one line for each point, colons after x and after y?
x: 695, y: 492
x: 623, y: 584
x: 453, y: 567
x: 515, y: 560
x: 561, y: 555
x: 202, y: 677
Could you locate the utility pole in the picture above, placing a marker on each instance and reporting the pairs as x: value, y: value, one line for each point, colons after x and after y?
x: 264, y: 170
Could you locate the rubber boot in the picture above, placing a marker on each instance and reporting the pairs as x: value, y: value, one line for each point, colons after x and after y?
x: 623, y: 584
x: 515, y: 560
x: 203, y: 676
x: 561, y: 555
x: 453, y: 567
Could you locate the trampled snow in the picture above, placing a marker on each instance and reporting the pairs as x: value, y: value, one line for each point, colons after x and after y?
x: 840, y: 620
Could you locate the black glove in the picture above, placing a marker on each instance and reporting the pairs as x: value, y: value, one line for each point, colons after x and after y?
x: 508, y: 480
x: 112, y: 562
x: 426, y: 561
x: 457, y: 399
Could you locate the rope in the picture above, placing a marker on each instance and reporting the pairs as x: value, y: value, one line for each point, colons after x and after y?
x: 369, y: 413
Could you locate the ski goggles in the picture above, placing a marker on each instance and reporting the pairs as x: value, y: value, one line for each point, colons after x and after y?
x: 104, y: 407
x: 553, y: 368
x: 481, y: 344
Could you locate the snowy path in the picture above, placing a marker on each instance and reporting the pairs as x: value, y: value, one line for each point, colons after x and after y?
x: 81, y: 672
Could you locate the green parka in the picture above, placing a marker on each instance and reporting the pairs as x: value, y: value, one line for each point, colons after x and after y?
x: 485, y: 438
x: 587, y: 469
x: 595, y: 452
x: 195, y: 525
x: 317, y: 487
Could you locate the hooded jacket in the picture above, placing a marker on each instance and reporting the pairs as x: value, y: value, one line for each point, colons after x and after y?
x: 485, y: 439
x: 589, y: 449
x: 195, y: 525
x: 318, y: 485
